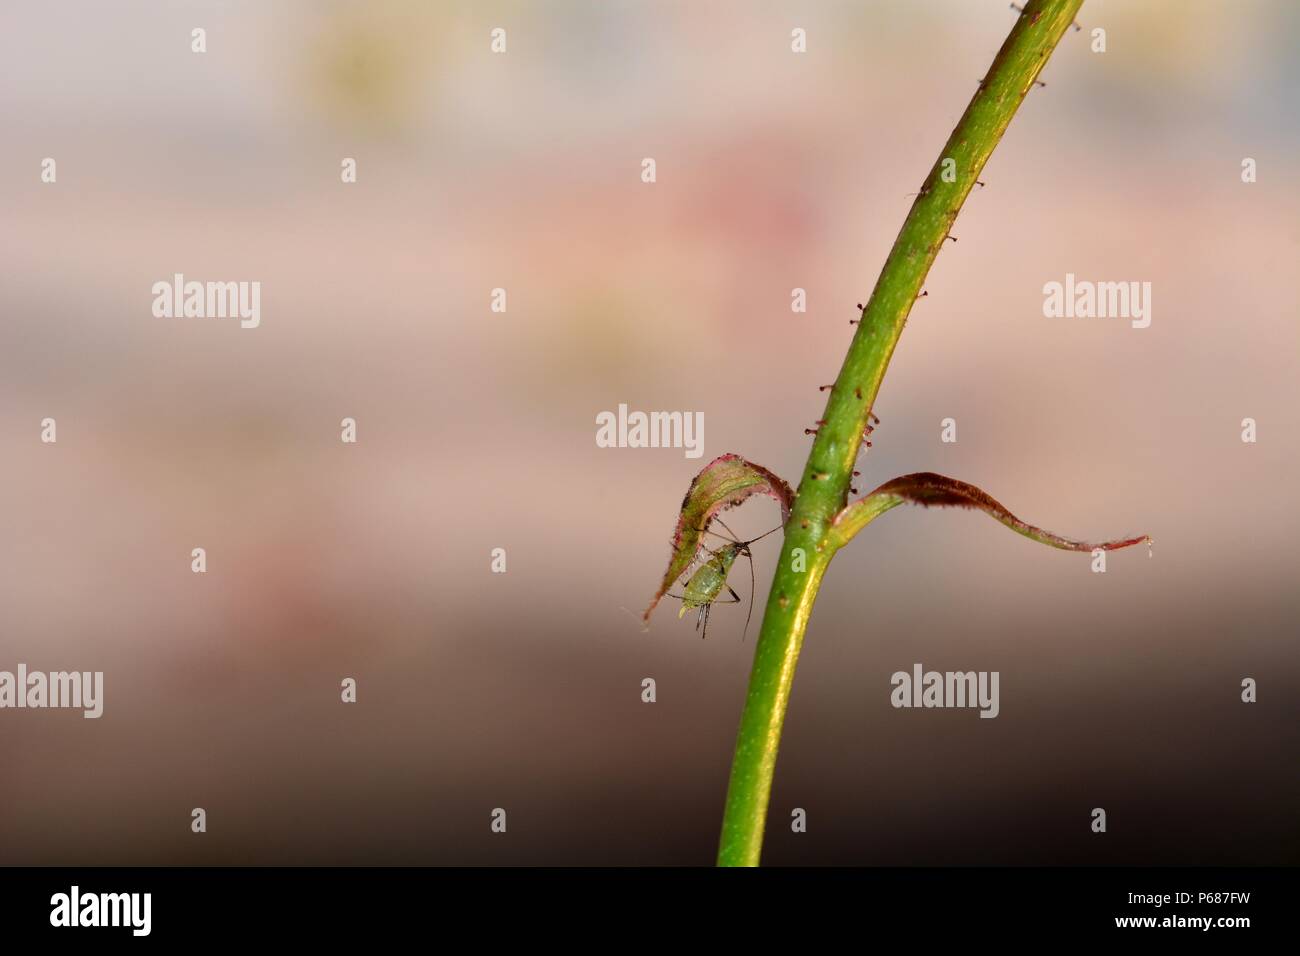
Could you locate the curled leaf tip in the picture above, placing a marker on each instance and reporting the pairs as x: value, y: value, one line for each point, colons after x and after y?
x: 930, y: 490
x: 723, y: 483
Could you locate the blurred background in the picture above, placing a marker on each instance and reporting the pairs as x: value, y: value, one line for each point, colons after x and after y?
x: 476, y: 430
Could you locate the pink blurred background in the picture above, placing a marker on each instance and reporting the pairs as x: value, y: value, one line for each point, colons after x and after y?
x: 476, y: 430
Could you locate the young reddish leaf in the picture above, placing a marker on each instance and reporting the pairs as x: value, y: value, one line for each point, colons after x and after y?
x: 928, y: 489
x: 723, y: 483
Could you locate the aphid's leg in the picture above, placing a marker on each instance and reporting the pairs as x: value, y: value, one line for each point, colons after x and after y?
x: 822, y: 388
x: 924, y: 293
x: 716, y: 535
x: 734, y: 539
x: 753, y: 583
x: 705, y: 615
x: 735, y: 598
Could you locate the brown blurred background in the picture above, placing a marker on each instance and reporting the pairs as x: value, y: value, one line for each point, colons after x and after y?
x: 476, y: 430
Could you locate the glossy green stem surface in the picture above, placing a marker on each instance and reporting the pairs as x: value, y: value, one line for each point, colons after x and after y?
x: 824, y: 489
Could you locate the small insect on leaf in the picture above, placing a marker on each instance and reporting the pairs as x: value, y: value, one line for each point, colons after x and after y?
x: 723, y: 483
x: 704, y: 589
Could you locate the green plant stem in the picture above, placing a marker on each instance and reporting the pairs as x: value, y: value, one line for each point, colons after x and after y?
x: 824, y: 489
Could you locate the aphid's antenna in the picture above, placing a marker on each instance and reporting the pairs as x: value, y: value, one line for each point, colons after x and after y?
x: 761, y: 536
x: 752, y: 585
x: 636, y: 617
x: 716, y: 535
x: 734, y: 539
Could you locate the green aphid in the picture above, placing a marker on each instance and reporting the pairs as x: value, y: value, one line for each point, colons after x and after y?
x: 705, y: 586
